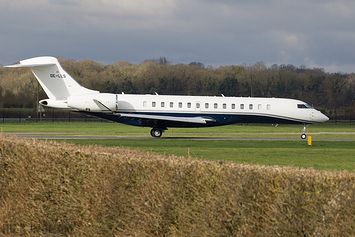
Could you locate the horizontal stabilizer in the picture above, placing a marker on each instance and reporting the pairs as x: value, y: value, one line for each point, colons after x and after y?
x: 31, y: 65
x: 36, y: 62
x: 169, y: 118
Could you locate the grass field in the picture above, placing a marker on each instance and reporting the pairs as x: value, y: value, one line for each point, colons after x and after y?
x: 323, y: 155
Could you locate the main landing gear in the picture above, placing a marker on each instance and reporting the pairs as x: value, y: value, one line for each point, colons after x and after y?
x: 156, y: 132
x: 304, y: 136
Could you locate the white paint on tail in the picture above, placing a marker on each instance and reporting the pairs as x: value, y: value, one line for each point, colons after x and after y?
x: 55, y: 81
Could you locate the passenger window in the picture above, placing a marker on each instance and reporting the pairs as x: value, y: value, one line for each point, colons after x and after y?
x: 250, y: 106
x: 268, y: 107
x: 171, y: 104
x: 215, y: 105
x: 154, y: 104
x: 180, y: 104
x: 206, y: 105
x: 162, y: 104
x: 224, y: 106
x: 233, y: 106
x: 144, y: 103
x: 241, y: 106
x: 197, y: 105
x: 189, y: 105
x: 259, y: 106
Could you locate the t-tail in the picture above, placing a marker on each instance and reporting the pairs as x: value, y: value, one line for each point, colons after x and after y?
x: 55, y: 81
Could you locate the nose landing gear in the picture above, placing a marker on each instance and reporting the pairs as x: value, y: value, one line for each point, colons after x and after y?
x: 303, y: 135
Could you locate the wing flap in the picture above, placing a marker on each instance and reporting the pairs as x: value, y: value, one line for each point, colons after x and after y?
x: 168, y: 118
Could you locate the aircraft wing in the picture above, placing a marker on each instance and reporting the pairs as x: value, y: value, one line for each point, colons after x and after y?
x: 201, y: 120
x: 168, y: 118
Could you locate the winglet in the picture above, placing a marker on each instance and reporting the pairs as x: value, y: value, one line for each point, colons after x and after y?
x: 103, y: 107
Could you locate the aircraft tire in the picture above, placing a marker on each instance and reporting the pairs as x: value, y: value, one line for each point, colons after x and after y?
x: 156, y: 132
x: 303, y: 136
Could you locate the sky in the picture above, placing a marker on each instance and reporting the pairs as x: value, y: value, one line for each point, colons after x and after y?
x: 314, y: 33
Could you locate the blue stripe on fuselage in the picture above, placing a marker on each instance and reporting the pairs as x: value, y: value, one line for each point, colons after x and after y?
x: 220, y: 119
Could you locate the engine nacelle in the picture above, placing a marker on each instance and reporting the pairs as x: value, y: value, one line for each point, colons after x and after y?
x: 56, y: 104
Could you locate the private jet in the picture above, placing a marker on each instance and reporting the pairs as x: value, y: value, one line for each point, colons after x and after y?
x: 162, y: 111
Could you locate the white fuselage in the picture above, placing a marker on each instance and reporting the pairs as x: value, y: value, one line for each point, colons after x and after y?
x: 207, y: 105
x: 255, y: 109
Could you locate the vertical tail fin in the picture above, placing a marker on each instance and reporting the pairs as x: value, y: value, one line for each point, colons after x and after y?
x: 55, y: 81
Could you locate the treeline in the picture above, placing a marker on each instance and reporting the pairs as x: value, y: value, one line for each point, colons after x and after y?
x: 18, y: 87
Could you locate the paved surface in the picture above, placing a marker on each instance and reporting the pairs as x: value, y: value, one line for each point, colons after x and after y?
x: 65, y: 136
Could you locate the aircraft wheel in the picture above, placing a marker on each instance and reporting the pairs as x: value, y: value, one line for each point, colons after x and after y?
x: 156, y: 132
x: 303, y: 136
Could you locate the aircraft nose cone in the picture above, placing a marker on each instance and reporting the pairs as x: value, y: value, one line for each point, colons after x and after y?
x: 319, y: 117
x: 322, y: 118
x: 325, y: 118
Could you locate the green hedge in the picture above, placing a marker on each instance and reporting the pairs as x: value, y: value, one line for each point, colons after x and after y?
x: 63, y: 189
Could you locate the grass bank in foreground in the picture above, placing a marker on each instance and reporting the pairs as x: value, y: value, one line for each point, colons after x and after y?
x: 50, y: 188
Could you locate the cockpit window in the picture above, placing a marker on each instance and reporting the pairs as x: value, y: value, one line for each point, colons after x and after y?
x: 304, y: 106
